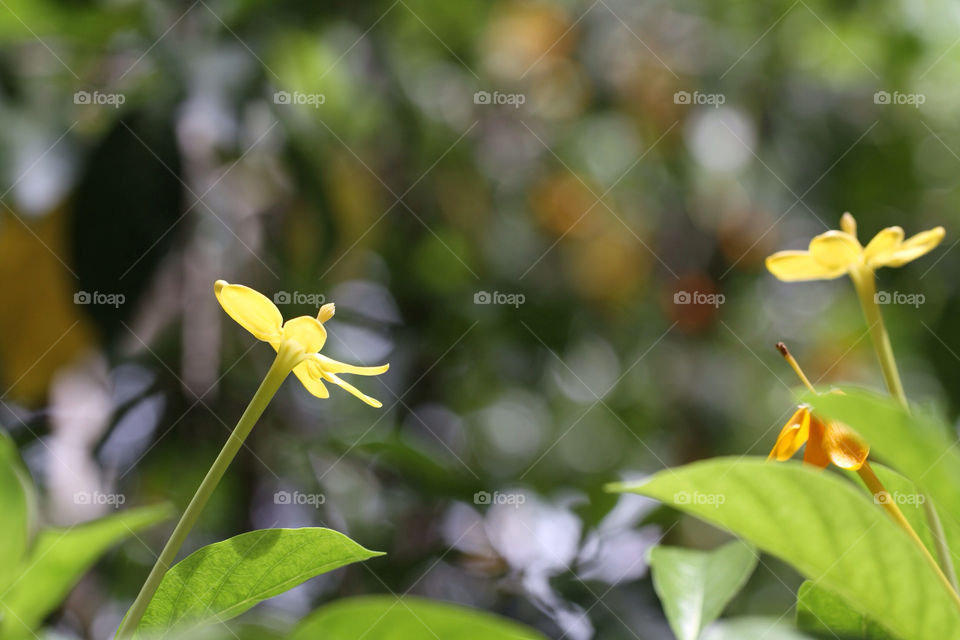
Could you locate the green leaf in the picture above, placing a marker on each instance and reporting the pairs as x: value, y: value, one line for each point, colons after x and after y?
x: 15, y: 510
x: 916, y: 444
x: 824, y: 612
x: 907, y: 497
x: 58, y: 558
x: 224, y: 579
x: 818, y: 522
x: 390, y: 618
x: 695, y: 586
x: 752, y: 627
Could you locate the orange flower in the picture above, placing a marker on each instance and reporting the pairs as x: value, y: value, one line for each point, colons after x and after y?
x: 827, y: 441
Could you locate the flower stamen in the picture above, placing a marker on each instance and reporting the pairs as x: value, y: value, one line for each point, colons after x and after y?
x: 782, y: 348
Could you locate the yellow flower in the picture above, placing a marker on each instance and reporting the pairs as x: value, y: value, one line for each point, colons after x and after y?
x: 826, y: 442
x: 303, y: 337
x: 836, y: 253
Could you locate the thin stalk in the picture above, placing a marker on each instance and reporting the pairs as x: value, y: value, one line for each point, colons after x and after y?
x: 877, y: 489
x: 866, y: 288
x: 782, y: 348
x: 281, y: 367
x: 940, y: 541
x: 865, y: 285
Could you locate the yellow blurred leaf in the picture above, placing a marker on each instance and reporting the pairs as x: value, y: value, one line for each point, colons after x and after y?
x: 42, y: 329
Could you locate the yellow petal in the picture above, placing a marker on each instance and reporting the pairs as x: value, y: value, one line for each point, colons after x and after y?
x: 251, y: 309
x: 845, y: 447
x: 313, y: 384
x: 916, y: 246
x: 879, y: 250
x: 795, y: 266
x: 335, y: 366
x: 792, y: 436
x: 316, y: 370
x: 307, y: 331
x: 836, y: 250
x: 816, y: 454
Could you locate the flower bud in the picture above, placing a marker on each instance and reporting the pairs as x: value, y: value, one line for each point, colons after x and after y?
x: 326, y: 312
x: 848, y: 224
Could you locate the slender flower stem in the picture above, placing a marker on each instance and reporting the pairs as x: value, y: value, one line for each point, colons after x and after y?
x: 936, y: 528
x: 863, y: 281
x: 884, y: 498
x: 782, y: 348
x: 278, y: 371
x: 940, y: 541
x: 866, y: 287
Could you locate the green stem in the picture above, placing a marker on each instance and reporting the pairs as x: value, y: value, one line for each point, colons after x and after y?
x: 877, y: 489
x: 867, y: 291
x: 865, y: 285
x: 940, y: 541
x: 281, y: 367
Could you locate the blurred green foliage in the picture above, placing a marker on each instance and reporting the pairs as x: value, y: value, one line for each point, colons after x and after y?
x: 402, y: 198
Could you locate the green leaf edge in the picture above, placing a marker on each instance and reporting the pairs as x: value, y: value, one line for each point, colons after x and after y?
x: 706, y: 555
x: 247, y: 604
x: 526, y: 632
x: 637, y: 487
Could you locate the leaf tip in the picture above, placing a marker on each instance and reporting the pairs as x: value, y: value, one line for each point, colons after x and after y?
x: 623, y: 487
